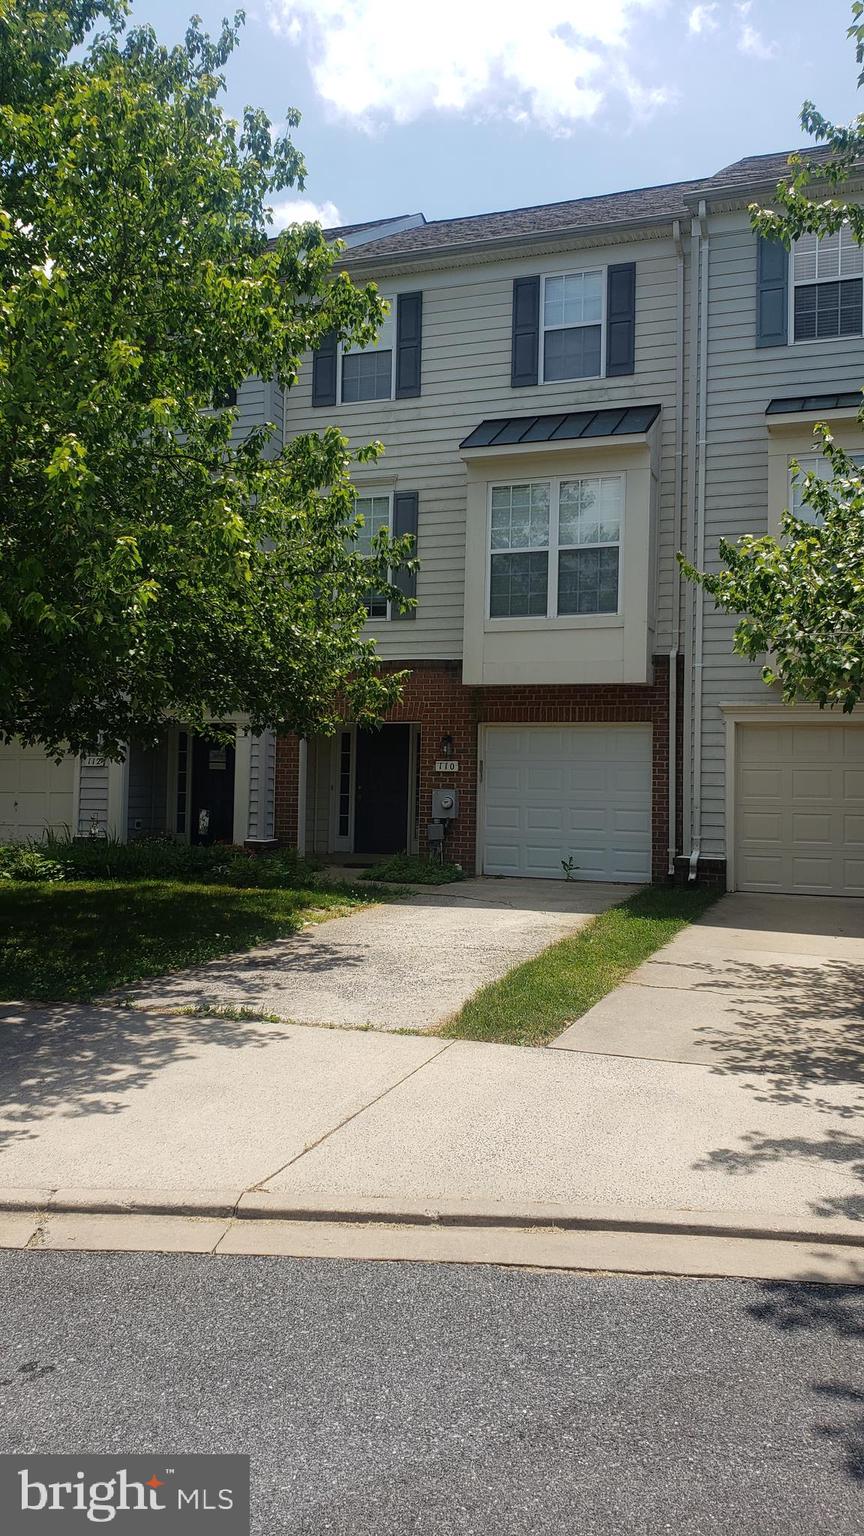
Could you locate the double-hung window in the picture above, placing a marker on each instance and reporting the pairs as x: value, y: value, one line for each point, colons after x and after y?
x: 821, y: 467
x: 367, y: 372
x: 375, y: 511
x: 555, y: 547
x: 826, y: 286
x: 572, y: 312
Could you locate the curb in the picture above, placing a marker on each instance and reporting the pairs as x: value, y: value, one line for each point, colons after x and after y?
x: 257, y: 1205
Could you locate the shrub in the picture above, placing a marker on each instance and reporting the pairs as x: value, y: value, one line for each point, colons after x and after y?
x: 165, y: 858
x: 20, y: 861
x: 415, y: 870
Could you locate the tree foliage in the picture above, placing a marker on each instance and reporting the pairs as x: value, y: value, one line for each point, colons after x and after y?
x: 801, y: 597
x: 154, y: 561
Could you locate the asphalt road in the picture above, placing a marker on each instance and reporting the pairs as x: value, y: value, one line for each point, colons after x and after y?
x: 434, y: 1400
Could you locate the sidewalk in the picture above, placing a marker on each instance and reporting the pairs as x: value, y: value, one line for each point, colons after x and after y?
x: 119, y: 1106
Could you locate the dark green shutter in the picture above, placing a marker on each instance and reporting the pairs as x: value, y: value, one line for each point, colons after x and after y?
x: 409, y: 344
x: 324, y: 371
x: 621, y: 319
x: 525, y: 352
x: 406, y: 507
x: 772, y: 293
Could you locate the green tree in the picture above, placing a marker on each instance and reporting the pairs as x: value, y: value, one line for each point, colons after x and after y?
x: 801, y: 597
x: 153, y: 562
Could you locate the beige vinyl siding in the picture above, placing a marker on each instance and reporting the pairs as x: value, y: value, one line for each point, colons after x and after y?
x: 262, y: 779
x: 741, y: 379
x: 465, y: 378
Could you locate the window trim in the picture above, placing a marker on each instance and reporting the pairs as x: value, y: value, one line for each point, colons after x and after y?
x: 818, y: 282
x: 552, y: 617
x: 392, y: 299
x: 603, y: 272
x: 370, y: 495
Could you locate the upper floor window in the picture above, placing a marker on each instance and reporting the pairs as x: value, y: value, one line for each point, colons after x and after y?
x: 555, y: 547
x: 821, y: 467
x: 826, y: 286
x: 375, y: 511
x: 572, y: 311
x: 366, y: 373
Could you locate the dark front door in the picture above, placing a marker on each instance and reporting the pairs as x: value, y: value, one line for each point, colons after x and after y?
x: 381, y: 797
x: 212, y: 792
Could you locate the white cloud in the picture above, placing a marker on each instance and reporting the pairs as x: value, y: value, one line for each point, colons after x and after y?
x: 750, y: 39
x: 301, y: 210
x: 556, y: 64
x: 703, y: 18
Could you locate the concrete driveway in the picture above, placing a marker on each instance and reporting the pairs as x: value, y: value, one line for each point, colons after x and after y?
x: 770, y: 984
x: 405, y: 965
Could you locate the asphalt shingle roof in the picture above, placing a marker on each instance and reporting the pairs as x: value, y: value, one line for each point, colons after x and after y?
x: 579, y: 213
x: 757, y: 168
x: 339, y: 231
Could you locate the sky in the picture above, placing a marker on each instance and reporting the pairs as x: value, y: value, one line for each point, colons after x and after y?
x: 452, y: 107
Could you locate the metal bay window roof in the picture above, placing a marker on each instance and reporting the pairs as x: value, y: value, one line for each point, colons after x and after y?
x: 838, y: 402
x: 562, y: 426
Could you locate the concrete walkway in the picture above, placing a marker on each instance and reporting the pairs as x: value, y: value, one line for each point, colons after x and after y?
x: 726, y: 1077
x: 405, y: 965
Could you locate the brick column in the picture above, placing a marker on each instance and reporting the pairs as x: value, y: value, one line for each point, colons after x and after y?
x: 286, y: 797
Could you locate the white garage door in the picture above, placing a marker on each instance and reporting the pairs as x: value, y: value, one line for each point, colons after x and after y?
x: 553, y: 793
x: 799, y: 817
x: 35, y: 793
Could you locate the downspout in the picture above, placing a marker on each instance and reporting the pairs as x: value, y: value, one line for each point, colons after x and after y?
x: 699, y: 538
x: 302, y: 774
x: 676, y: 577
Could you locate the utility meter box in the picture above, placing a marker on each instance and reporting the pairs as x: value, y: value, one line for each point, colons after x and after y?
x: 445, y: 804
x: 435, y: 832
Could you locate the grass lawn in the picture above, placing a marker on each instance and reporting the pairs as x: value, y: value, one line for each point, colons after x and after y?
x: 534, y: 1002
x: 72, y: 941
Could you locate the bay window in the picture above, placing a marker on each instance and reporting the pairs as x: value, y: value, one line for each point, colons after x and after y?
x: 555, y: 547
x: 822, y: 468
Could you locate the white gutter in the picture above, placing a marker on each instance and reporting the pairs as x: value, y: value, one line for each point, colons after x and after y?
x: 704, y: 247
x: 676, y: 578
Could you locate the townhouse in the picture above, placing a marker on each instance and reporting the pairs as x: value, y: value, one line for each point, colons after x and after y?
x: 568, y: 395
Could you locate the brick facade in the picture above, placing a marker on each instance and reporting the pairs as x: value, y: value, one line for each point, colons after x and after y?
x: 435, y: 698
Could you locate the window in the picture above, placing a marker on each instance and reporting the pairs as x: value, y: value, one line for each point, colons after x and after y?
x: 520, y: 526
x: 367, y: 372
x: 818, y: 465
x: 375, y: 511
x: 555, y: 547
x: 589, y: 539
x: 826, y: 286
x: 573, y: 326
x: 225, y: 398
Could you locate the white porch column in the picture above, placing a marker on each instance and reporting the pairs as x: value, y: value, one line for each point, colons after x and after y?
x: 242, y: 777
x: 118, y: 799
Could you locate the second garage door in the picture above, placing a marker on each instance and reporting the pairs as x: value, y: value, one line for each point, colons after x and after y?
x: 580, y: 792
x: 35, y: 792
x: 799, y: 809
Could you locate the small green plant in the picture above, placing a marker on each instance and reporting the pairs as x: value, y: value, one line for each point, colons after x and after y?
x: 569, y: 867
x: 413, y: 869
x: 22, y: 861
